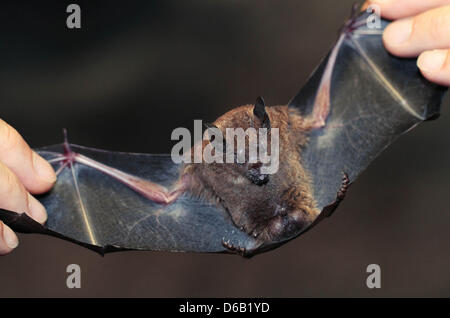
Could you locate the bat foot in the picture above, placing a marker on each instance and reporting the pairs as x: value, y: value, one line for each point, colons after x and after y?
x: 252, y: 233
x: 235, y: 249
x: 344, y: 187
x: 328, y: 211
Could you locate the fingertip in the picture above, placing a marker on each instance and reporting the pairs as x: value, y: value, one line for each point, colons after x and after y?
x: 387, y: 34
x: 435, y: 66
x: 8, y: 239
x: 11, y: 239
x: 397, y: 9
x: 45, y: 172
x: 396, y: 37
x: 36, y: 210
x: 432, y: 61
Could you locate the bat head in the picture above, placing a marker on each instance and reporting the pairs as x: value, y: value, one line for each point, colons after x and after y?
x: 271, y: 207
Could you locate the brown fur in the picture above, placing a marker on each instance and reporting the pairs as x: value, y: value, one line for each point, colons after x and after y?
x: 271, y: 212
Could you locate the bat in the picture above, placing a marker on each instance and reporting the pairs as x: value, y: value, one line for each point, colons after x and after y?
x: 356, y: 103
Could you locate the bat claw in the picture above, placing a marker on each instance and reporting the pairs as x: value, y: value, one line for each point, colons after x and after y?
x: 328, y: 210
x: 344, y: 187
x: 234, y: 248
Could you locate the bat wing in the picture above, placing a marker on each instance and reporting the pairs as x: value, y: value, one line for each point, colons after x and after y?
x: 93, y: 209
x: 373, y: 98
x: 368, y: 96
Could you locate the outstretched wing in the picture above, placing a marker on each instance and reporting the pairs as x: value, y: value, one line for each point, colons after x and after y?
x: 96, y: 210
x: 361, y: 99
x: 373, y: 98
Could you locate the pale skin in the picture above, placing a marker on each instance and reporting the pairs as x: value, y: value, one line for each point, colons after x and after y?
x: 421, y: 29
x: 22, y: 174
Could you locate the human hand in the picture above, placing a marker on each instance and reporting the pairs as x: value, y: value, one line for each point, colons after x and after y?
x: 22, y: 172
x: 422, y: 28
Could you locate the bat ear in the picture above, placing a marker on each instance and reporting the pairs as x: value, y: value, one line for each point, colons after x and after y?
x: 260, y: 112
x: 208, y: 126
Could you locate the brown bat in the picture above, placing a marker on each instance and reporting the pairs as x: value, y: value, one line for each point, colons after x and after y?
x: 272, y: 210
x: 355, y: 104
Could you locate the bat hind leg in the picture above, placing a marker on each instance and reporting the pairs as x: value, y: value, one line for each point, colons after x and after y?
x: 233, y: 248
x: 328, y: 211
x: 237, y: 249
x: 344, y: 187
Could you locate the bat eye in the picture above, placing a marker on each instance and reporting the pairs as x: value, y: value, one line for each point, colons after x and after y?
x: 260, y: 112
x: 255, y: 176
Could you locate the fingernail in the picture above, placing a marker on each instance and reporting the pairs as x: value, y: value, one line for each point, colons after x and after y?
x: 432, y: 61
x: 10, y: 237
x: 43, y: 168
x: 399, y: 32
x: 36, y: 210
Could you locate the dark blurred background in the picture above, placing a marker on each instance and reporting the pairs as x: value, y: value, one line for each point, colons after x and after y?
x: 138, y: 69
